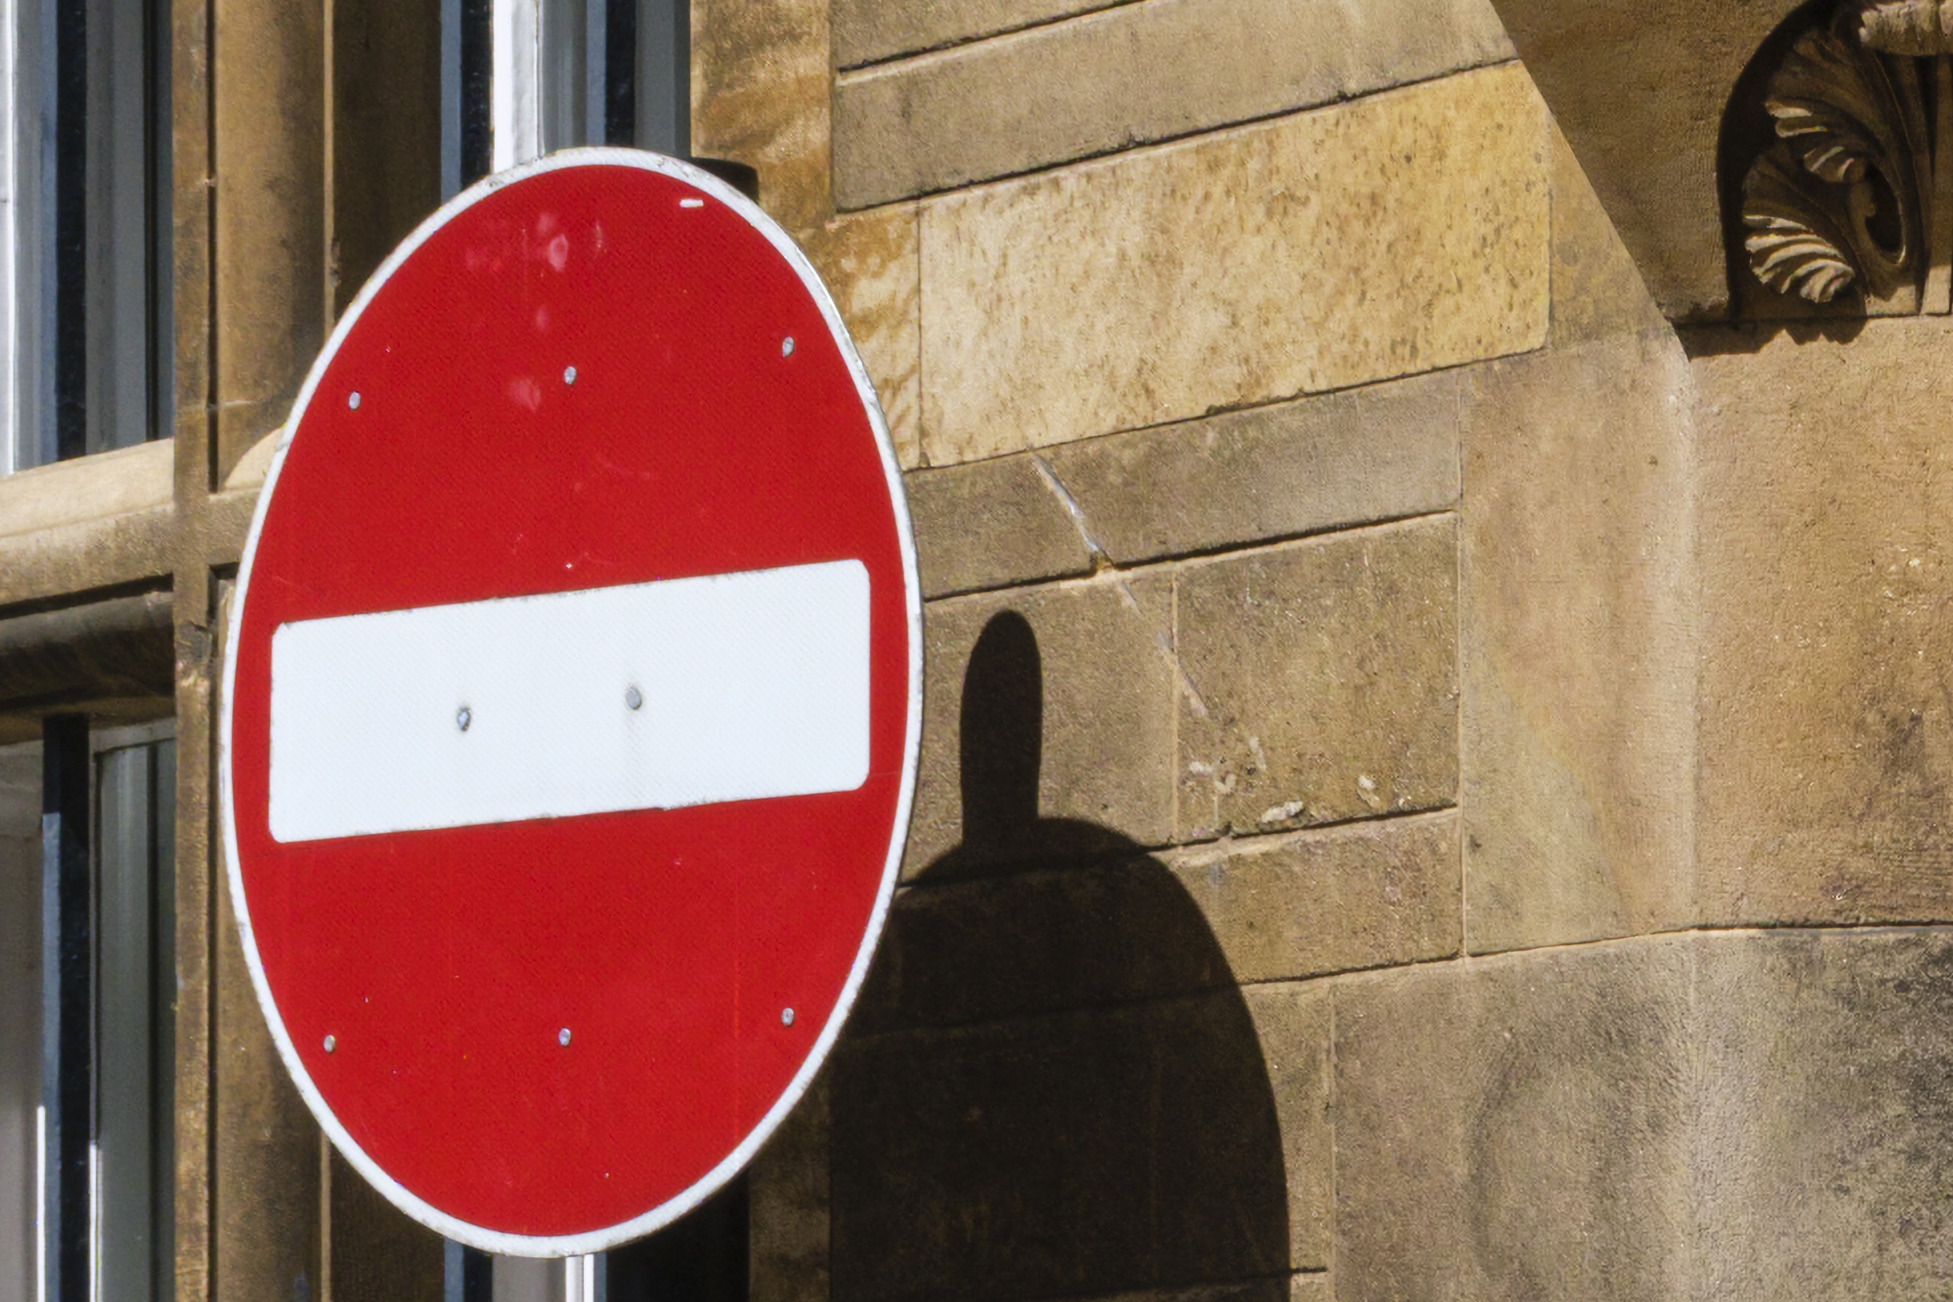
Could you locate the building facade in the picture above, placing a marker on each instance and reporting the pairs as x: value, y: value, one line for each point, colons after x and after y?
x: 1435, y: 760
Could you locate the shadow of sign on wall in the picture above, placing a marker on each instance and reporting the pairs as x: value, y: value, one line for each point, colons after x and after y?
x: 1052, y: 1085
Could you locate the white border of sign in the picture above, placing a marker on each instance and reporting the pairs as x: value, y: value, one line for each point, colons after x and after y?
x: 566, y: 1245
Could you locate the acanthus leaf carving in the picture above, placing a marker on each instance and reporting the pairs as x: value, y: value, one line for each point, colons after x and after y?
x: 1788, y: 250
x: 1852, y: 191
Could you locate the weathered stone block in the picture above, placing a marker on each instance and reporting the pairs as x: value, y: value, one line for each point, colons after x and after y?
x: 1159, y: 285
x: 1826, y: 1114
x: 1047, y: 724
x: 1323, y: 680
x: 1316, y: 902
x: 1293, y: 1021
x: 991, y: 524
x: 1516, y: 1128
x: 1092, y: 1152
x: 71, y: 558
x: 95, y: 488
x: 871, y: 265
x: 868, y: 31
x: 268, y: 288
x: 1580, y: 654
x: 1131, y: 74
x: 1826, y: 509
x: 1640, y: 87
x: 1266, y: 473
x: 761, y: 89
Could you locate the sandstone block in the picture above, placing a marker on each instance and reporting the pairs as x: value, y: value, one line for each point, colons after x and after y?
x: 1826, y: 1114
x: 1580, y: 657
x: 1160, y: 285
x: 95, y: 488
x: 1082, y: 1153
x: 74, y: 558
x: 1267, y: 473
x: 1826, y: 508
x: 1130, y: 74
x: 1515, y: 1129
x: 268, y: 131
x: 991, y: 524
x: 1317, y: 902
x: 761, y: 88
x: 869, y: 31
x: 870, y: 264
x: 1047, y: 724
x: 1323, y: 680
x: 1294, y: 1024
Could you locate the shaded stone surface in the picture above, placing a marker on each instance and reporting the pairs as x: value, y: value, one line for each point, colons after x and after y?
x: 1079, y: 1152
x: 1324, y: 680
x: 1022, y: 1137
x: 788, y: 1184
x: 1070, y: 935
x: 1161, y: 284
x: 1128, y: 75
x: 1356, y: 457
x: 1639, y: 87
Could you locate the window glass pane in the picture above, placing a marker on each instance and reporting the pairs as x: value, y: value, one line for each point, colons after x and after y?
x: 135, y: 790
x: 118, y: 303
x: 95, y: 308
x: 664, y: 76
x: 133, y: 1068
x: 563, y: 74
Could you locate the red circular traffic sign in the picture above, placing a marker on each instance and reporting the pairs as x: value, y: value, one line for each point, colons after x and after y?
x: 571, y: 704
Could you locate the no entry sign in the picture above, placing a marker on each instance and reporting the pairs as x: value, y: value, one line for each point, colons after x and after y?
x: 570, y: 710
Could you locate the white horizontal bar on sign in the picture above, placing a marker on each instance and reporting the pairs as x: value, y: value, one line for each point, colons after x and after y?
x: 644, y: 696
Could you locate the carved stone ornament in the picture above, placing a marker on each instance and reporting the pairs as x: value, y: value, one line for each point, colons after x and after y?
x: 1856, y: 191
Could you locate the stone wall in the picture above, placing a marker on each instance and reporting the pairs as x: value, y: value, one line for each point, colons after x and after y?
x: 1390, y: 696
